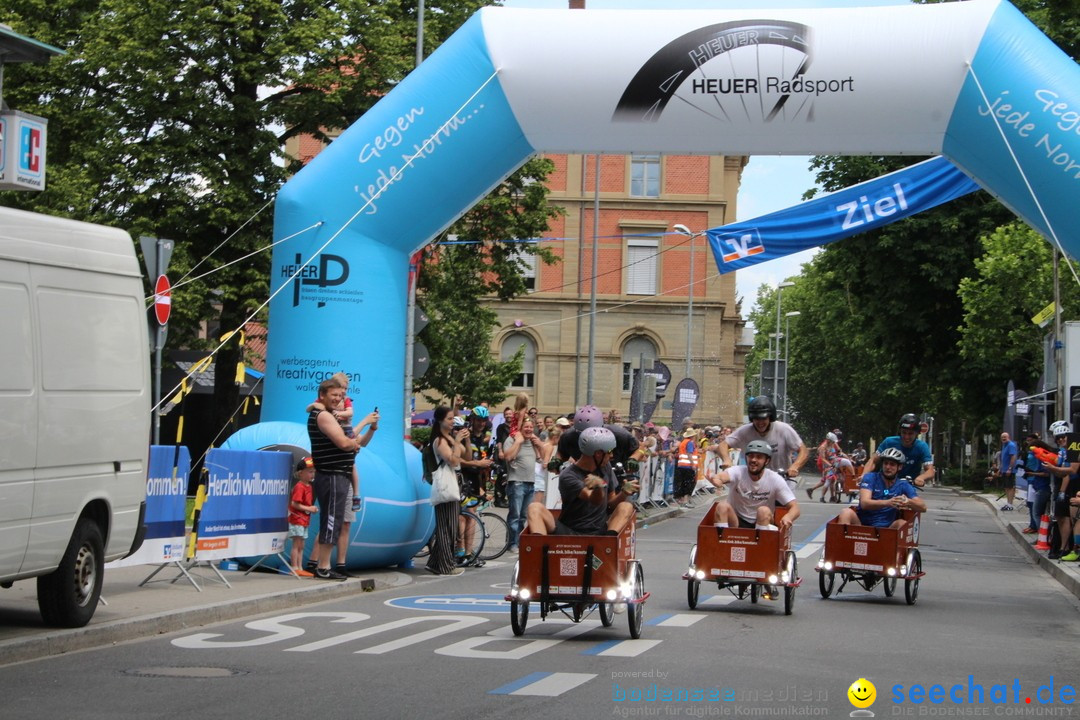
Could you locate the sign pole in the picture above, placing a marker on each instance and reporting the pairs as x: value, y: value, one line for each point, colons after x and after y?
x: 158, y: 343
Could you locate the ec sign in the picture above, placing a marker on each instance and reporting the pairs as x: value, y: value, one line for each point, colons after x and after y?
x: 22, y: 151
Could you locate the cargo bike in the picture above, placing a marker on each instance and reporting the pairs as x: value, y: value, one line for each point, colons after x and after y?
x: 577, y: 575
x: 869, y: 555
x: 748, y: 562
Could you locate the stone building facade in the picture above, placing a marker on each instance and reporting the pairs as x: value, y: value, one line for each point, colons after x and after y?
x: 643, y: 286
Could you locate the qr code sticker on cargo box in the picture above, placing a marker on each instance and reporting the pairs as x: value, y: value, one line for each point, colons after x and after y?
x: 861, y: 548
x: 568, y: 567
x: 738, y: 554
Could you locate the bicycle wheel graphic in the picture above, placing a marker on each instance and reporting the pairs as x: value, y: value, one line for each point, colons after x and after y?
x: 732, y: 72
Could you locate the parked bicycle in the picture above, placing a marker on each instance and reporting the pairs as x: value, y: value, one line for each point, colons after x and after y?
x: 486, y: 535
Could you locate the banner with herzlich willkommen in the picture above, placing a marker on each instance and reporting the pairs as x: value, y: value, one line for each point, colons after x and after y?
x: 245, y: 512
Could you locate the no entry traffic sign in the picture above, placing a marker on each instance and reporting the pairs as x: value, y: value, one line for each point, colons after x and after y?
x: 162, y: 299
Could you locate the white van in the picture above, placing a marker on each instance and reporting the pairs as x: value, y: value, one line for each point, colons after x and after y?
x: 74, y: 408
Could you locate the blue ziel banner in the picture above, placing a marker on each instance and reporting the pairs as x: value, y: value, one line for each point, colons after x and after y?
x: 166, y: 504
x: 247, y: 504
x: 853, y: 210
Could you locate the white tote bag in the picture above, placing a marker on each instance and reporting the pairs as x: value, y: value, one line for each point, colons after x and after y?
x: 444, y: 485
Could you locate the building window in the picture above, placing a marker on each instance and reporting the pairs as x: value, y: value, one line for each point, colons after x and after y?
x: 636, y: 350
x: 528, y: 263
x: 527, y: 377
x: 645, y: 176
x: 641, y: 266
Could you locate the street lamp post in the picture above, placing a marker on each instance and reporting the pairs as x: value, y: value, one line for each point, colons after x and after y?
x: 776, y: 361
x: 683, y: 230
x: 787, y: 347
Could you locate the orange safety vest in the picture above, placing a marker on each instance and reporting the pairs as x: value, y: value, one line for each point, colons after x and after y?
x: 686, y: 458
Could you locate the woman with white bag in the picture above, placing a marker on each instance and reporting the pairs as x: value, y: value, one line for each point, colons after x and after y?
x: 445, y: 496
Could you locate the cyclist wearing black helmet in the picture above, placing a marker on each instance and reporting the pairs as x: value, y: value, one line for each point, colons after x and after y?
x: 883, y: 494
x: 592, y: 501
x: 919, y: 464
x: 782, y: 438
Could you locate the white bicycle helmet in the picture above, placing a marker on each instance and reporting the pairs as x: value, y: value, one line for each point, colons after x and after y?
x: 893, y: 454
x: 595, y: 439
x: 759, y: 446
x: 1061, y: 427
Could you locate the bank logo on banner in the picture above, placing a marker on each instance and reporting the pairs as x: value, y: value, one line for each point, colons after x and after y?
x: 740, y: 245
x: 741, y: 71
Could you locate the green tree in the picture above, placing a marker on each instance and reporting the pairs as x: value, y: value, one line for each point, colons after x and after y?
x: 484, y: 261
x: 168, y: 118
x: 1013, y: 280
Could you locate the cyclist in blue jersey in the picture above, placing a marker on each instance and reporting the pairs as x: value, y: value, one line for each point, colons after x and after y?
x: 882, y: 495
x: 919, y: 463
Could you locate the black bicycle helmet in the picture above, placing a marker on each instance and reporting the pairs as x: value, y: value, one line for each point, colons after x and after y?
x: 909, y: 422
x: 762, y: 406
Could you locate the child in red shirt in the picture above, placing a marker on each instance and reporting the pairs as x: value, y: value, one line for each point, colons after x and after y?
x: 301, y: 508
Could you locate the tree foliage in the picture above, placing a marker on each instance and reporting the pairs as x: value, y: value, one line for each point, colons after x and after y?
x: 1012, y: 282
x: 168, y: 118
x: 485, y: 259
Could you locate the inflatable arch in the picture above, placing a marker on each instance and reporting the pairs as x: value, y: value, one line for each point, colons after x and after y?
x: 973, y: 81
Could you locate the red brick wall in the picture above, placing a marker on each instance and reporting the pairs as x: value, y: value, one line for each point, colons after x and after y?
x: 686, y: 175
x: 557, y: 178
x: 612, y: 173
x: 550, y: 278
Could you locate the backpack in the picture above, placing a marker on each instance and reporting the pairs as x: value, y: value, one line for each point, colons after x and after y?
x: 430, y: 460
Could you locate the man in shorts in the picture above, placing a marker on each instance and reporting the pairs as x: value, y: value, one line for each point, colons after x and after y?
x: 593, y: 504
x: 882, y: 495
x: 755, y: 491
x: 1007, y: 470
x: 1063, y: 484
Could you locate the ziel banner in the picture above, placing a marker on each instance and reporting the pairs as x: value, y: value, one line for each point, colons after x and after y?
x: 246, y: 508
x: 853, y: 210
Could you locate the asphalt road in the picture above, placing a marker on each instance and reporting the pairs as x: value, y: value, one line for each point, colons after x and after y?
x: 986, y: 621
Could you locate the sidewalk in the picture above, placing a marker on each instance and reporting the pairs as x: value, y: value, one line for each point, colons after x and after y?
x: 129, y: 612
x: 160, y: 606
x: 1068, y: 574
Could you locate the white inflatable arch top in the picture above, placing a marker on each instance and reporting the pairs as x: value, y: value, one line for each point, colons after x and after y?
x: 973, y: 81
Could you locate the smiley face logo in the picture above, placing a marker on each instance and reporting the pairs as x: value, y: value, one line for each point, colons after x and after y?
x: 862, y: 693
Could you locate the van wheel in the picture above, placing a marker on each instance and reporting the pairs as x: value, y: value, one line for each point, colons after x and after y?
x: 68, y: 596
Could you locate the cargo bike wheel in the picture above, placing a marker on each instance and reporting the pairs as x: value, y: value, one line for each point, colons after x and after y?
x: 519, y: 609
x: 635, y: 609
x: 911, y: 585
x: 791, y: 567
x: 693, y: 586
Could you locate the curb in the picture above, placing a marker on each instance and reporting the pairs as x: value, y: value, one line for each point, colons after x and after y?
x: 93, y: 636
x: 1070, y: 580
